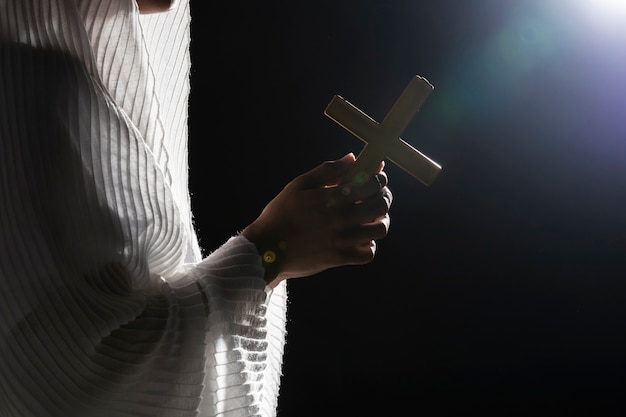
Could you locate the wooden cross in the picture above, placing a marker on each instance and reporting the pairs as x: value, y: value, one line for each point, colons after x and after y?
x: 382, y: 140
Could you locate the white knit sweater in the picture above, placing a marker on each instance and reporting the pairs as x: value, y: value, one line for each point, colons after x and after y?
x: 107, y: 305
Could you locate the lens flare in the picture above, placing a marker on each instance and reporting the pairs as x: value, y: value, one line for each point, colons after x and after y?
x: 609, y: 7
x: 607, y: 15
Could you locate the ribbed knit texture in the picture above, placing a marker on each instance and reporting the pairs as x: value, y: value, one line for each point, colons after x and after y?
x: 107, y: 306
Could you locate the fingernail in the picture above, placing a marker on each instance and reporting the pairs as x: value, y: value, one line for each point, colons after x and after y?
x: 348, y: 156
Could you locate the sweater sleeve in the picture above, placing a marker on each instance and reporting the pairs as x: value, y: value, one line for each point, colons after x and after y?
x: 245, y: 330
x: 106, y: 308
x: 99, y: 317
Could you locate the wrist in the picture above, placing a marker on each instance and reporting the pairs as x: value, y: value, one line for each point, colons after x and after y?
x: 270, y: 251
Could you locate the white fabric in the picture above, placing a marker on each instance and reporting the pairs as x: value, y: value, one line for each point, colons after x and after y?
x: 107, y: 306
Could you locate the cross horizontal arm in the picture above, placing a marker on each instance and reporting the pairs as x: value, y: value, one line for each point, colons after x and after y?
x: 346, y: 115
x: 413, y: 162
x: 382, y: 140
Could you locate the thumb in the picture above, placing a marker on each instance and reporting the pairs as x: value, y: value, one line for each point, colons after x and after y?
x: 327, y: 173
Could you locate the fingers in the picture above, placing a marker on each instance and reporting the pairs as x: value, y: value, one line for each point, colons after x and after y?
x: 330, y: 172
x: 364, y: 218
x: 363, y: 254
x: 363, y: 203
x: 369, y: 210
x: 331, y: 223
x: 355, y: 191
x: 357, y: 245
x: 327, y: 173
x: 363, y: 233
x: 359, y: 249
x: 358, y: 204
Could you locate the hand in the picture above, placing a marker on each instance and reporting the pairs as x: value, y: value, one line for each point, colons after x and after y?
x: 314, y: 223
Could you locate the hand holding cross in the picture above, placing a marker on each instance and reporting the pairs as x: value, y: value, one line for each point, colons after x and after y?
x: 382, y: 140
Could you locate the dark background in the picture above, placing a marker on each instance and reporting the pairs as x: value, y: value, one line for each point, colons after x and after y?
x: 501, y: 288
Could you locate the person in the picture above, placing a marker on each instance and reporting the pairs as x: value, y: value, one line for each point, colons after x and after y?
x: 108, y: 305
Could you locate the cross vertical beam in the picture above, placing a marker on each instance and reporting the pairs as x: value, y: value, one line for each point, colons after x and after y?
x: 382, y: 140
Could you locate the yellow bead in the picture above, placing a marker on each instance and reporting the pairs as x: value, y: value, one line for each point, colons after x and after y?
x: 269, y: 256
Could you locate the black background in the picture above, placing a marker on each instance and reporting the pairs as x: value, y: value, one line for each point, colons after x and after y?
x: 501, y: 288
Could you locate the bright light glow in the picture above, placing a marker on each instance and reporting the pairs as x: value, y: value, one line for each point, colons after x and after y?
x: 609, y: 7
x: 609, y: 14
